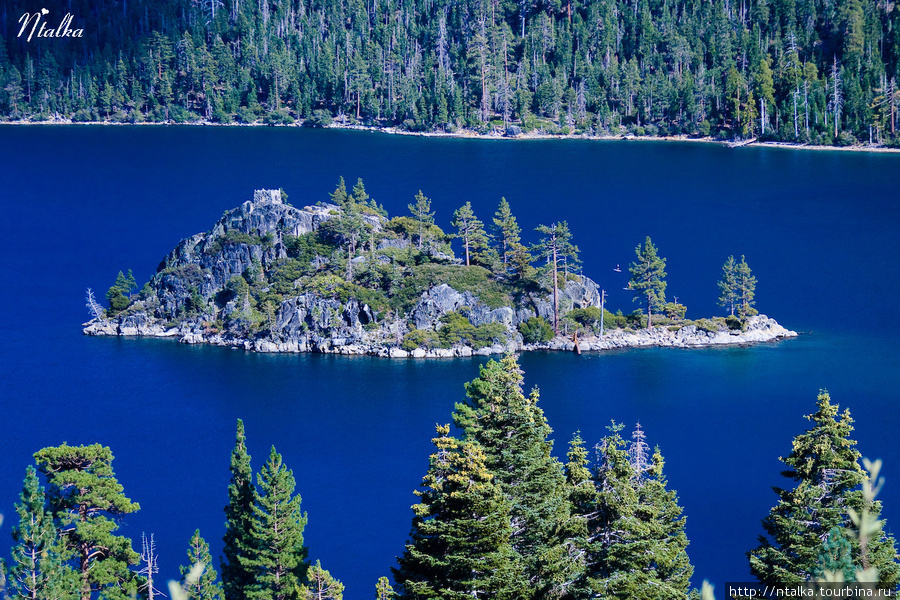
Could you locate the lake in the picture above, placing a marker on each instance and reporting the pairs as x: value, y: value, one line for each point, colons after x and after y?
x: 819, y: 230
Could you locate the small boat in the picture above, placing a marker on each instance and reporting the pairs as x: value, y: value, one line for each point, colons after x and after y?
x: 617, y: 269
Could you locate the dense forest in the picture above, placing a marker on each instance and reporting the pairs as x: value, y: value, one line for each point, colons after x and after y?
x: 498, y: 517
x: 818, y: 71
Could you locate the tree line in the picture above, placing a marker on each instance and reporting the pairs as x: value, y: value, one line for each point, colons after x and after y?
x: 803, y: 71
x: 498, y: 517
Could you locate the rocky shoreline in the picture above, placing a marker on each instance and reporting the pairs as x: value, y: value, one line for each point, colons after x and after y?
x: 760, y: 328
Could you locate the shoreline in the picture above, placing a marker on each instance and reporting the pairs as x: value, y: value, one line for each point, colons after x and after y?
x: 760, y: 329
x: 472, y: 135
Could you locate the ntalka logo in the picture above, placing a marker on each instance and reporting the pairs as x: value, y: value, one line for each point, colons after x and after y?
x: 47, y: 31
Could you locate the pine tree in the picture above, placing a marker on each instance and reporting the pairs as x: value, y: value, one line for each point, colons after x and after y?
x: 728, y: 286
x: 279, y: 556
x: 637, y: 544
x: 648, y: 278
x: 383, y: 590
x: 459, y: 544
x: 470, y: 230
x: 583, y: 503
x: 38, y: 570
x: 339, y: 196
x: 236, y: 577
x: 514, y: 257
x: 206, y: 587
x: 86, y: 499
x: 745, y: 288
x: 423, y: 217
x: 513, y: 432
x: 322, y: 586
x: 556, y: 246
x: 824, y: 465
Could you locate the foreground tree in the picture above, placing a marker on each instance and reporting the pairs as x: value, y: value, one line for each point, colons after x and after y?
x: 824, y: 466
x: 322, y: 586
x: 87, y: 500
x: 38, y: 570
x: 648, y: 279
x: 237, y: 575
x: 637, y: 544
x: 205, y: 587
x: 459, y: 543
x: 513, y: 432
x: 278, y: 556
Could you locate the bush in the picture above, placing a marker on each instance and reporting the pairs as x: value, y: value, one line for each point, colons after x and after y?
x: 319, y: 118
x: 420, y: 338
x: 536, y: 330
x: 733, y: 322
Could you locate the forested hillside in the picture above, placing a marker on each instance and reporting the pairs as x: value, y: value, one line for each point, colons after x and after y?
x: 823, y: 71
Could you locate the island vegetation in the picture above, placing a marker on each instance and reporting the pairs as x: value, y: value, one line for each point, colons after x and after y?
x: 807, y: 71
x: 498, y: 516
x: 342, y: 276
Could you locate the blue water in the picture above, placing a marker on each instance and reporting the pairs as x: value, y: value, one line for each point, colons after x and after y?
x: 78, y: 204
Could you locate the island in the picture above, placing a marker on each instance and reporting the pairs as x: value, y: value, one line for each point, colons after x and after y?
x: 342, y: 277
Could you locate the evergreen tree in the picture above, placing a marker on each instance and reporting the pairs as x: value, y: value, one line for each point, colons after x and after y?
x: 638, y: 545
x: 322, y: 586
x: 339, y: 196
x: 38, y: 570
x: 824, y: 466
x: 556, y: 246
x: 746, y: 289
x: 459, y: 544
x: 206, y: 587
x: 513, y: 433
x: 86, y: 499
x: 236, y: 576
x: 279, y: 556
x: 728, y: 286
x: 423, y: 217
x: 583, y: 502
x: 470, y: 230
x: 648, y: 279
x: 514, y: 257
x: 383, y: 590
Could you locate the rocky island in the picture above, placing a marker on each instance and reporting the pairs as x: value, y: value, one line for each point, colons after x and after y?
x: 341, y: 277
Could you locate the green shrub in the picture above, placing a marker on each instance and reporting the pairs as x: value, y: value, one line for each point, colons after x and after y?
x: 733, y: 323
x: 489, y: 334
x: 536, y: 330
x: 420, y: 338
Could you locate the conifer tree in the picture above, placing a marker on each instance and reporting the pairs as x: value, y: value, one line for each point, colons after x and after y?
x: 459, y: 544
x: 38, y: 570
x: 637, y: 543
x: 470, y: 230
x: 556, y: 246
x: 206, y: 587
x: 745, y: 288
x: 728, y: 296
x: 422, y: 215
x: 834, y: 557
x: 278, y: 558
x: 823, y: 463
x: 322, y: 586
x: 339, y: 195
x: 583, y: 503
x: 648, y: 278
x: 514, y: 257
x: 86, y: 499
x: 513, y: 432
x: 383, y: 590
x: 236, y: 576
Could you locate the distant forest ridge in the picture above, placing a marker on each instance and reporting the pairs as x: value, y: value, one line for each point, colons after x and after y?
x: 817, y: 71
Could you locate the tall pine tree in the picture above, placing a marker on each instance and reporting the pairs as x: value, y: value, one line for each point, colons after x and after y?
x: 278, y: 559
x: 205, y: 587
x: 86, y: 500
x: 648, y: 279
x: 824, y: 466
x: 513, y: 432
x: 236, y: 576
x: 459, y: 544
x: 38, y: 570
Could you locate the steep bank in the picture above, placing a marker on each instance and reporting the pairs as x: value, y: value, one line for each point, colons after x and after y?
x: 270, y: 277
